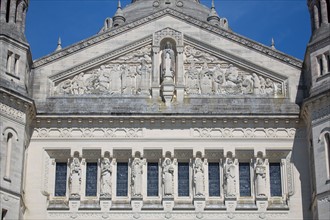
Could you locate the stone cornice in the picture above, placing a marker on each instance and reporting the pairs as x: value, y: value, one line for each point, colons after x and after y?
x: 204, y: 25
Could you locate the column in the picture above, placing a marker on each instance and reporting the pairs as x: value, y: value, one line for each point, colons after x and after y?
x: 324, y: 12
x: 3, y: 10
x: 155, y: 72
x: 12, y: 13
x: 180, y: 75
x: 316, y: 17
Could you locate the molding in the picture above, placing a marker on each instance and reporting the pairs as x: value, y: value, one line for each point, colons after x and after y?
x: 204, y: 25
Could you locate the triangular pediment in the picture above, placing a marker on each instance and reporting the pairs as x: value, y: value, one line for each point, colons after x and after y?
x: 207, y: 72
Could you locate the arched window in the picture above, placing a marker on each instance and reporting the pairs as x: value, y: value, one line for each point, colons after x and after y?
x: 9, y: 143
x: 327, y: 151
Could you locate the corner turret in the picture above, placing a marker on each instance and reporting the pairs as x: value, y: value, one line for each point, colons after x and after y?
x: 118, y: 18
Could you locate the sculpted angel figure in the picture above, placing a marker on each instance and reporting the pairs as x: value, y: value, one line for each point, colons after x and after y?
x: 199, y: 177
x: 168, y: 172
x: 168, y: 61
x: 75, y: 177
x: 260, y: 178
x: 106, y: 177
x: 137, y: 171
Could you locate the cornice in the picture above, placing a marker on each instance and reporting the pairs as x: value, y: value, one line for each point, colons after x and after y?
x: 201, y: 24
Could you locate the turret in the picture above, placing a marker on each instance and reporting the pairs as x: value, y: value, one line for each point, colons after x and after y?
x: 213, y: 17
x: 118, y: 18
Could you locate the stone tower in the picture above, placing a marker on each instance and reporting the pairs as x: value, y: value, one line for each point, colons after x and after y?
x: 16, y: 106
x: 316, y: 106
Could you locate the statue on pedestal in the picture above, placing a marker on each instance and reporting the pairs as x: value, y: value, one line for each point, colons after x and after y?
x: 137, y: 171
x: 230, y: 178
x: 106, y: 178
x: 75, y: 178
x: 168, y: 172
x: 199, y: 177
x: 260, y: 178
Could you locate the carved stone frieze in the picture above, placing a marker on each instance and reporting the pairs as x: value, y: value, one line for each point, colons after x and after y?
x: 128, y: 75
x: 12, y: 113
x: 242, y: 133
x: 206, y: 74
x: 88, y: 133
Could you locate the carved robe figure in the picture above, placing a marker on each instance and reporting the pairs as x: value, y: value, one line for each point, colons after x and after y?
x: 168, y: 62
x: 75, y: 177
x: 106, y: 178
x: 137, y: 171
x: 143, y: 73
x: 199, y: 177
x: 192, y: 79
x: 168, y: 172
x: 230, y: 178
x: 260, y: 178
x: 206, y: 80
x: 115, y: 79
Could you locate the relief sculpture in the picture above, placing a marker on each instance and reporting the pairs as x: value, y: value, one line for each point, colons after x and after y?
x: 106, y: 178
x: 75, y: 178
x: 127, y: 75
x: 207, y: 75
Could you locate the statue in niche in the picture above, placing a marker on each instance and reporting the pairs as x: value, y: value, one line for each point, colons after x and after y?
x: 206, y: 77
x: 199, y: 177
x: 106, y: 178
x: 137, y: 171
x: 75, y: 178
x: 168, y: 63
x: 192, y: 79
x: 168, y: 172
x: 143, y: 72
x: 115, y: 79
x: 260, y: 178
x: 230, y: 178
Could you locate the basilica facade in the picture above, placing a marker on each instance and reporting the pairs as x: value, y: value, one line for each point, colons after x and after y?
x: 166, y: 113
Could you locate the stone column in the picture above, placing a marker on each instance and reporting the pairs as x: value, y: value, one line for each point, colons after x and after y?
x: 12, y: 13
x: 19, y: 15
x: 155, y: 72
x: 324, y: 12
x: 3, y: 10
x: 325, y: 65
x: 316, y: 17
x: 23, y: 20
x: 180, y: 75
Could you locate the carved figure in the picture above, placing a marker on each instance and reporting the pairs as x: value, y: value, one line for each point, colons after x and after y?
x: 260, y: 178
x: 137, y: 171
x: 143, y: 72
x: 104, y: 79
x: 247, y: 84
x: 206, y: 80
x: 199, y: 177
x: 192, y: 79
x: 262, y: 84
x: 256, y: 84
x: 168, y: 172
x: 115, y: 79
x: 219, y: 79
x: 168, y: 62
x: 106, y: 178
x: 269, y: 86
x: 230, y: 178
x: 75, y: 178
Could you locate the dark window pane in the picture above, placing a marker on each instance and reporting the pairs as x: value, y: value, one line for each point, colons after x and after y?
x: 122, y: 179
x: 275, y: 179
x: 152, y: 188
x: 60, y: 179
x: 214, y: 179
x: 183, y: 179
x: 244, y: 179
x: 91, y: 179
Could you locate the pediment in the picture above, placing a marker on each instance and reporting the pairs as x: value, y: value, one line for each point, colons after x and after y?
x: 207, y: 72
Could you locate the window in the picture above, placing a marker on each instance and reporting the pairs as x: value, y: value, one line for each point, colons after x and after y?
x: 275, y: 179
x: 244, y: 179
x: 152, y: 179
x: 122, y: 179
x: 183, y: 179
x: 214, y: 179
x: 321, y: 68
x: 60, y: 179
x: 91, y: 179
x: 328, y: 62
x: 8, y: 67
x: 3, y: 214
x: 8, y: 158
x: 327, y: 150
x: 16, y: 65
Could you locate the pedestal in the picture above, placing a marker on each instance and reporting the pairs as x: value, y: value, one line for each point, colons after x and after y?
x: 231, y: 204
x: 262, y: 204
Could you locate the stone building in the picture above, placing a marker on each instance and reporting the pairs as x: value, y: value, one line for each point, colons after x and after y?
x: 166, y: 113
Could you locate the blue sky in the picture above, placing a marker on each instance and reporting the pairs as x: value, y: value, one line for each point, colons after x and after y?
x: 287, y: 21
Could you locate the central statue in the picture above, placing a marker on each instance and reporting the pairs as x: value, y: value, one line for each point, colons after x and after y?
x: 168, y: 62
